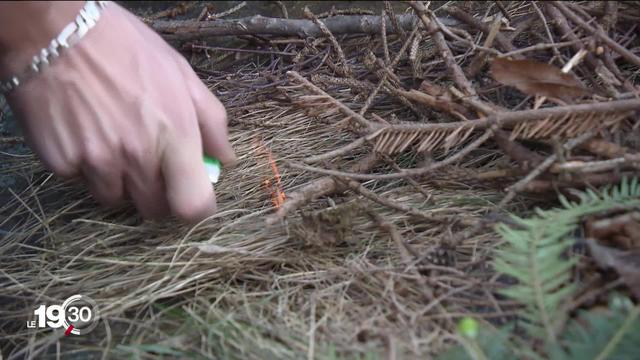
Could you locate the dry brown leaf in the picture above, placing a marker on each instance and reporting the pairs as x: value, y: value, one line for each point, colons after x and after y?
x: 625, y: 263
x: 621, y: 231
x: 536, y: 78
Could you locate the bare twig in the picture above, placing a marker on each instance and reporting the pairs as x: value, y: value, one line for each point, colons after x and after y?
x: 283, y: 9
x: 546, y: 28
x: 599, y: 33
x: 388, y: 71
x: 357, y: 187
x: 352, y: 11
x: 411, y: 181
x: 338, y: 25
x: 610, y: 17
x: 345, y: 109
x: 522, y: 184
x: 465, y: 17
x: 253, y: 51
x: 499, y: 119
x: 480, y: 58
x: 397, y: 28
x: 511, y: 118
x: 181, y: 8
x: 383, y: 35
x: 542, y: 186
x: 337, y: 152
x: 227, y: 12
x: 592, y: 166
x: 566, y: 31
x: 315, y: 189
x: 336, y: 46
x: 538, y: 47
x: 456, y: 73
x: 406, y: 172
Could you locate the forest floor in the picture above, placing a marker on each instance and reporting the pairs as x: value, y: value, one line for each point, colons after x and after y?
x: 374, y: 167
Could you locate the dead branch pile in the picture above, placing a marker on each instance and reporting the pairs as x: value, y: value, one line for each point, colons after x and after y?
x: 397, y: 151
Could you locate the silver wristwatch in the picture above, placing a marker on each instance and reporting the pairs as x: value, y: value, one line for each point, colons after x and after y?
x: 70, y: 35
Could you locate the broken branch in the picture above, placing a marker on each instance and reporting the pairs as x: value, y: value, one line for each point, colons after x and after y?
x: 338, y: 25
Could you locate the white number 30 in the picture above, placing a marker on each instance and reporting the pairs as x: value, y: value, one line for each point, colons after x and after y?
x: 83, y: 313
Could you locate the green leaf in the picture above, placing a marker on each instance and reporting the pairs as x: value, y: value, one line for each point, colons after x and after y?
x: 601, y: 335
x: 534, y: 254
x: 493, y: 344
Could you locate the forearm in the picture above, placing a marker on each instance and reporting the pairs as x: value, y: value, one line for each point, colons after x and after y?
x: 28, y: 26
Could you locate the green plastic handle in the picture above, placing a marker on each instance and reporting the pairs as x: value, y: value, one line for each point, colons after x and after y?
x: 213, y: 167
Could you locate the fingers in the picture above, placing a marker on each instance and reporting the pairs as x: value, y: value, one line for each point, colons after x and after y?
x: 146, y: 190
x: 189, y: 191
x: 212, y: 119
x: 105, y: 183
x: 143, y: 179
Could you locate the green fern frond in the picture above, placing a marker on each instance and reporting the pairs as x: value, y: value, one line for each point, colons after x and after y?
x: 601, y: 335
x: 491, y: 344
x: 533, y: 255
x: 593, y: 335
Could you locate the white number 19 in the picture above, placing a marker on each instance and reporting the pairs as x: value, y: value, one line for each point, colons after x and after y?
x: 54, y: 314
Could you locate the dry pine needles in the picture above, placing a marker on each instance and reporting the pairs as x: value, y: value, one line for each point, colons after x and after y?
x: 384, y: 250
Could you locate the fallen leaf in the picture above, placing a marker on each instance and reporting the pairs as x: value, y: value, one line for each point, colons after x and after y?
x: 622, y: 230
x: 536, y: 78
x: 625, y: 263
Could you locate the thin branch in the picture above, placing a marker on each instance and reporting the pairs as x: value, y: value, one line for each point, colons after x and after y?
x: 411, y: 181
x: 463, y: 16
x: 383, y: 35
x: 499, y: 119
x: 546, y: 28
x: 338, y: 25
x: 480, y: 59
x: 599, y: 33
x: 593, y: 166
x: 522, y: 184
x: 561, y: 24
x: 283, y: 9
x: 337, y: 152
x: 389, y: 67
x: 227, y: 12
x: 404, y: 173
x: 320, y: 187
x: 538, y: 47
x: 542, y: 186
x: 511, y: 118
x: 345, y: 109
x: 357, y: 187
x: 180, y: 9
x: 253, y: 51
x: 397, y: 27
x: 336, y: 46
x: 455, y: 71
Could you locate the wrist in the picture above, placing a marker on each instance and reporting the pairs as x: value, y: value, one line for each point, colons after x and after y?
x: 29, y: 26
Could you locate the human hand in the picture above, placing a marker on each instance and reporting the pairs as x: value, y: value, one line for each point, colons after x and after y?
x: 126, y: 113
